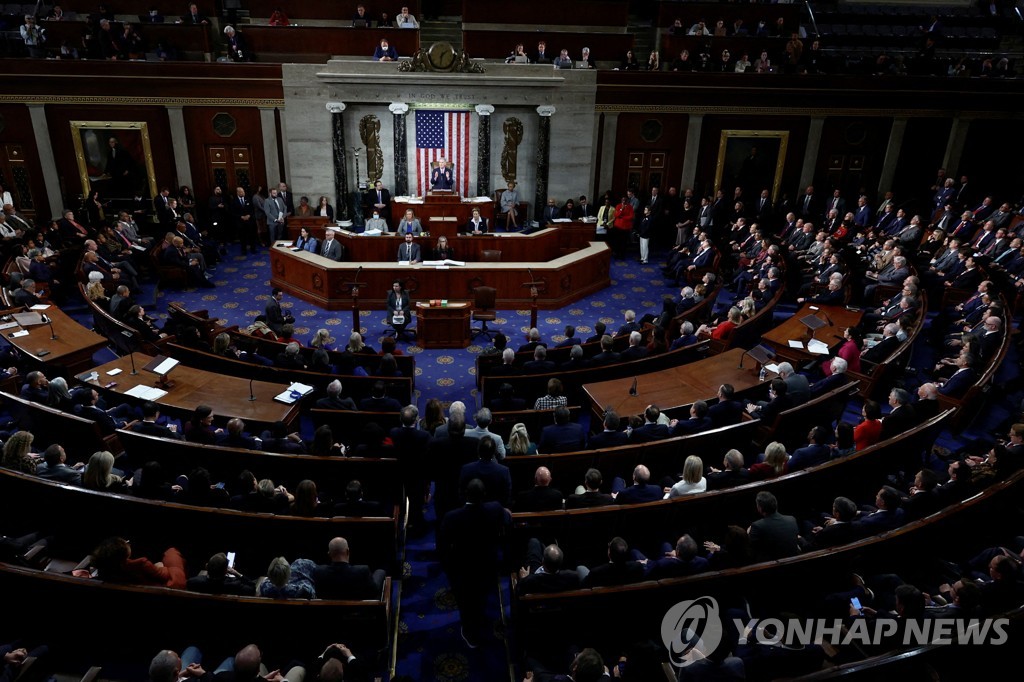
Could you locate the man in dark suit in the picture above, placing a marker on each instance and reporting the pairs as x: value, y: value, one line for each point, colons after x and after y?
x: 507, y: 400
x: 629, y: 324
x: 563, y: 435
x: 591, y: 495
x: 236, y: 438
x: 495, y: 476
x: 447, y: 453
x: 726, y: 411
x: 409, y: 251
x: 469, y: 543
x: 635, y: 350
x: 354, y: 505
x: 777, y: 402
x: 611, y: 436
x: 220, y: 579
x: 619, y: 570
x: 963, y: 378
x: 798, y: 388
x: 541, y: 497
x: 245, y: 225
x: 341, y: 580
x: 540, y: 363
x: 54, y: 467
x: 698, y: 422
x: 276, y: 319
x: 379, y: 401
x: 36, y: 387
x: 833, y: 381
x: 884, y: 348
x: 807, y: 206
x: 334, y: 400
x: 679, y: 562
x: 410, y: 447
x: 599, y: 330
x: 838, y: 529
x: 551, y: 213
x: 651, y: 430
x: 575, y: 361
x: 331, y: 248
x: 773, y: 536
x: 927, y: 405
x: 902, y: 416
x: 640, y: 491
x: 441, y: 177
x: 815, y: 452
x: 731, y: 474
x: 380, y: 198
x: 543, y: 572
x: 584, y: 209
x: 607, y: 356
x: 108, y: 421
x: 570, y: 338
x: 148, y: 426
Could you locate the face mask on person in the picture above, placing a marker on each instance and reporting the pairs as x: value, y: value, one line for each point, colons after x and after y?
x: 376, y: 215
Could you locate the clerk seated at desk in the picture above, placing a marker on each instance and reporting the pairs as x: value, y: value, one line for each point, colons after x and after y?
x: 332, y: 248
x: 409, y: 250
x: 399, y: 304
x: 476, y: 224
x: 306, y: 242
x: 375, y: 223
x: 410, y: 224
x: 443, y: 251
x: 442, y: 177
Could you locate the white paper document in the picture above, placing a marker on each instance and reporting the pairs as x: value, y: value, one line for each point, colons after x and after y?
x: 8, y: 325
x: 445, y: 262
x: 817, y: 347
x: 23, y: 332
x: 114, y: 372
x: 772, y: 367
x: 146, y: 392
x: 39, y: 306
x: 293, y: 393
x: 796, y: 344
x: 165, y: 366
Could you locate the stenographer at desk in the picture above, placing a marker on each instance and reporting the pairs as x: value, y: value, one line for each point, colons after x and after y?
x: 409, y: 251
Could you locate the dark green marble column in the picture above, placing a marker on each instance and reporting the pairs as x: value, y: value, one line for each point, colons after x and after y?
x: 341, y: 207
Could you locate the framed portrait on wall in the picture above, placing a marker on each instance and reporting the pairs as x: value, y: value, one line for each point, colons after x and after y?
x: 753, y: 160
x: 114, y: 158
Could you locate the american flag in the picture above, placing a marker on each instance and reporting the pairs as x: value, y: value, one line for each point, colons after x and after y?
x: 442, y: 134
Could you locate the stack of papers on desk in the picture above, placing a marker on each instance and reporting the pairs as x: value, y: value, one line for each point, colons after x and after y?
x: 796, y: 344
x: 445, y: 262
x: 817, y: 347
x: 150, y: 393
x: 293, y: 393
x: 39, y: 306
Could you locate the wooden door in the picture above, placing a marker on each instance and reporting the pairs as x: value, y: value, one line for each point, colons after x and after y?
x: 14, y: 176
x: 646, y: 169
x: 231, y: 166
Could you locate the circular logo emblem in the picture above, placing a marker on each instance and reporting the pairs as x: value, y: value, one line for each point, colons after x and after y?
x: 691, y: 626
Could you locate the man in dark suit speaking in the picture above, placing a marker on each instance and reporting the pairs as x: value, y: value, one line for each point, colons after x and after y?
x: 441, y: 177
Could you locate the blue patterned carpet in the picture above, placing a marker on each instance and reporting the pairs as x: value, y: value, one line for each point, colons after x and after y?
x: 429, y: 646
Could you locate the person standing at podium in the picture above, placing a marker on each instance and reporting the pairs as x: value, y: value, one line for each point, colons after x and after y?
x: 441, y: 177
x: 409, y: 250
x: 398, y: 305
x: 410, y: 224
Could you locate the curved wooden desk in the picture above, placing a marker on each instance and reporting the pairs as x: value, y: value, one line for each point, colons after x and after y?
x: 320, y: 281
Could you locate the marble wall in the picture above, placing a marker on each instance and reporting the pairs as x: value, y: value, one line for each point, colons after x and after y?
x: 369, y: 88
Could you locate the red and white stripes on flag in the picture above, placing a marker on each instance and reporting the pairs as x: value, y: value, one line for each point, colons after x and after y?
x: 442, y: 134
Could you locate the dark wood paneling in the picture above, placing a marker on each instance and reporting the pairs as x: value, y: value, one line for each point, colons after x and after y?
x: 711, y: 135
x: 42, y: 79
x: 985, y: 141
x: 848, y: 143
x: 924, y: 146
x: 248, y: 132
x: 630, y: 137
x: 59, y: 117
x: 318, y: 43
x: 17, y: 131
x: 565, y: 13
x: 498, y: 44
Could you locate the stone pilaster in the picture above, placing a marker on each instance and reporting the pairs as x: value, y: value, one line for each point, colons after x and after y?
x: 540, y: 199
x: 398, y: 112
x: 483, y: 150
x: 341, y: 207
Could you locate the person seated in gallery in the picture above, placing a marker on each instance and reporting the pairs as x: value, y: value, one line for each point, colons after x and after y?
x: 442, y: 178
x: 384, y: 52
x: 476, y: 224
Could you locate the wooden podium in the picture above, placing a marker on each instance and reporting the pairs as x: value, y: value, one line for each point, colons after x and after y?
x: 443, y: 326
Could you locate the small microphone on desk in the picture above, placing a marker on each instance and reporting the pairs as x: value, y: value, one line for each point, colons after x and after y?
x: 828, y: 319
x: 131, y: 350
x: 252, y: 396
x: 632, y: 389
x: 48, y: 320
x: 742, y: 355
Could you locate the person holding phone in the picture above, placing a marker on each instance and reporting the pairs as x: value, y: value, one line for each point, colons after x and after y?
x: 221, y: 577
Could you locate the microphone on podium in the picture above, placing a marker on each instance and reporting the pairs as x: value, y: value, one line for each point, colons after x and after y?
x: 632, y: 389
x: 252, y: 396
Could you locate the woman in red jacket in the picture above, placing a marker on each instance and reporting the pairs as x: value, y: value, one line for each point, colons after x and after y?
x: 114, y: 562
x: 623, y: 224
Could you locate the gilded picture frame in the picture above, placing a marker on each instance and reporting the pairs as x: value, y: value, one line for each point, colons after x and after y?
x: 120, y: 175
x: 737, y: 166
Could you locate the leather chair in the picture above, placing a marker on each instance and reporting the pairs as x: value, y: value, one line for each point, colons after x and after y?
x: 490, y: 256
x: 483, y: 311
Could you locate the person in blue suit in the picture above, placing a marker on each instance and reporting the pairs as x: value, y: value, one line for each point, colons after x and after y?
x: 306, y: 242
x: 815, y: 452
x: 956, y: 386
x: 442, y: 177
x: 562, y: 436
x: 496, y: 478
x: 640, y: 491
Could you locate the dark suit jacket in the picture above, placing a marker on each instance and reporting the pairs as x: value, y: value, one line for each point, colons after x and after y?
x: 808, y: 456
x: 648, y: 433
x: 469, y: 541
x: 610, y: 574
x: 469, y: 226
x: 547, y: 583
x: 636, y: 494
x: 686, y: 427
x: 633, y: 353
x: 496, y: 478
x: 671, y: 567
x: 588, y: 499
x: 832, y: 536
x: 881, y: 350
x: 956, y: 386
x: 539, y: 498
x: 384, y: 404
x: 154, y: 429
x: 608, y: 439
x: 341, y: 580
x: 61, y: 472
x: 606, y: 358
x: 562, y: 438
x: 538, y: 367
x: 898, y: 421
x: 727, y: 479
x: 725, y: 413
x: 336, y: 404
x: 774, y: 537
x: 827, y: 384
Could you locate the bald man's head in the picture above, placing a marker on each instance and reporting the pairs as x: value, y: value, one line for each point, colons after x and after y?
x: 338, y: 549
x: 641, y: 474
x: 247, y: 662
x: 542, y: 477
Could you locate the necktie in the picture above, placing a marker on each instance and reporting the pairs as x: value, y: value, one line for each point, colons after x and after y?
x: 378, y: 197
x: 807, y: 203
x: 326, y: 246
